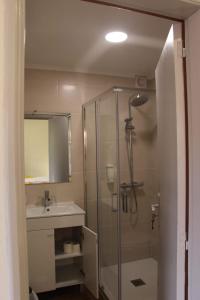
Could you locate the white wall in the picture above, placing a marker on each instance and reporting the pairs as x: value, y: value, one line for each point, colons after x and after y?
x: 193, y: 71
x: 13, y: 255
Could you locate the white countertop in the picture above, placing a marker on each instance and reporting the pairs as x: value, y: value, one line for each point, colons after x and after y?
x: 54, y: 210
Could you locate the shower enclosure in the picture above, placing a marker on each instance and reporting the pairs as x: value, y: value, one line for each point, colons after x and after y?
x: 121, y: 190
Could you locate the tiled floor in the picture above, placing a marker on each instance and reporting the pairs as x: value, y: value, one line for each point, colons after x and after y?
x: 72, y: 293
x: 145, y: 270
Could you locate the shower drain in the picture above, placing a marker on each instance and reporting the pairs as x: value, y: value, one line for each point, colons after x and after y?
x: 138, y: 282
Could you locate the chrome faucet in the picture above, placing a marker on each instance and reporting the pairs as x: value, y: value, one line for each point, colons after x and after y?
x: 47, y: 200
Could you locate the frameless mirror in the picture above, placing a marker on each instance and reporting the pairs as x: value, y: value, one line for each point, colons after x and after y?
x: 47, y: 144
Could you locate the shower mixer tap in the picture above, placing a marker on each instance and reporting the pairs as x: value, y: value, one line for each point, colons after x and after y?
x: 125, y: 190
x: 136, y: 184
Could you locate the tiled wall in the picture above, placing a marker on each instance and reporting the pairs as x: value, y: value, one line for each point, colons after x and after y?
x: 54, y: 91
x: 139, y: 240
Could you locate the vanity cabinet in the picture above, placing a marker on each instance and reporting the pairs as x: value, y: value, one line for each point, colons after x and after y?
x: 50, y: 268
x: 41, y: 260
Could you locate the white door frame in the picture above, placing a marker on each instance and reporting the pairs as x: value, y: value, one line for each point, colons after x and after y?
x: 173, y: 199
x: 13, y: 245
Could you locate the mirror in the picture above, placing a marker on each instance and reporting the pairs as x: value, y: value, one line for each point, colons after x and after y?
x: 47, y: 148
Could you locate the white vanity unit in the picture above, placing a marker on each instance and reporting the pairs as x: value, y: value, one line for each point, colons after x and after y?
x: 49, y: 267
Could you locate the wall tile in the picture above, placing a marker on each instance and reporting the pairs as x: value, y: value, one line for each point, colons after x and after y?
x: 54, y: 91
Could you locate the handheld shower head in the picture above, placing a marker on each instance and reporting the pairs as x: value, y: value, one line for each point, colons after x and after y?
x: 138, y: 100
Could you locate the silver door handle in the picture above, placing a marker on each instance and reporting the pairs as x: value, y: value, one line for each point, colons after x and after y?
x: 126, y: 203
x: 114, y: 202
x: 123, y: 202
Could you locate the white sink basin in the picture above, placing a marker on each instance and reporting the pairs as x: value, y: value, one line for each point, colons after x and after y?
x: 55, y: 210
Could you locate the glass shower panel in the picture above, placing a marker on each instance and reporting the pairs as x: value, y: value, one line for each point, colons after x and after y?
x: 108, y: 195
x: 90, y: 173
x: 138, y: 193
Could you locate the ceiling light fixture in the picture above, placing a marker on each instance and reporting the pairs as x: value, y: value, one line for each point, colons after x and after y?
x: 116, y: 37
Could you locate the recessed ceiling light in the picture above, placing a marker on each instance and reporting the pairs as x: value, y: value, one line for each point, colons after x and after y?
x: 116, y: 37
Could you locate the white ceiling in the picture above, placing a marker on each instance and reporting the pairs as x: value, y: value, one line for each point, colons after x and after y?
x: 69, y: 35
x: 174, y: 8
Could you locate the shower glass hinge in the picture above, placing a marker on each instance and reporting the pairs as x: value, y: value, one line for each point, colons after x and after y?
x: 186, y: 245
x: 183, y: 52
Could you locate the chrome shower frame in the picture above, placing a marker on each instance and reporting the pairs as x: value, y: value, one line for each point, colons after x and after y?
x: 117, y: 90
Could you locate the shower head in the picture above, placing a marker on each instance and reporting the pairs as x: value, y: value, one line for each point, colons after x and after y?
x: 138, y: 100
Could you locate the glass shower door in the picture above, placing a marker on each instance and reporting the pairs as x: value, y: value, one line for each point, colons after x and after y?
x: 90, y: 240
x: 90, y: 166
x: 108, y: 196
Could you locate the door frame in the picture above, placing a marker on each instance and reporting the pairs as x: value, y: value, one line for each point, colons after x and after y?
x: 17, y: 33
x: 187, y: 166
x: 173, y: 54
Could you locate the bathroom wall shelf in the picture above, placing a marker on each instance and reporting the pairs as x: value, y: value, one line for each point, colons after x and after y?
x: 68, y: 275
x: 60, y: 256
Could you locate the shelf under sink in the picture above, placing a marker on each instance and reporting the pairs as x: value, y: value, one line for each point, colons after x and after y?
x: 68, y: 275
x: 60, y: 255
